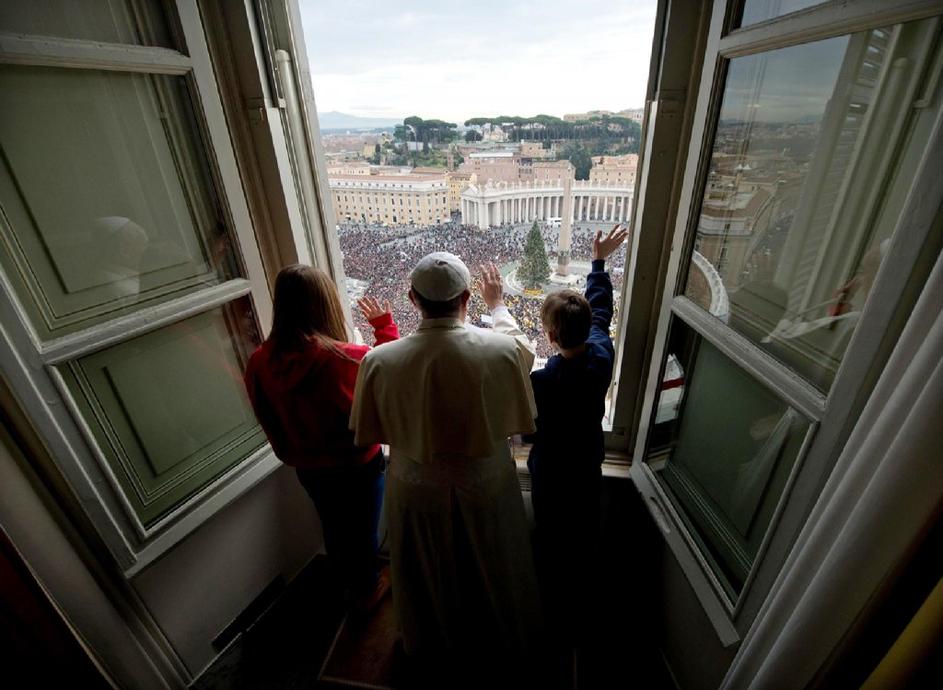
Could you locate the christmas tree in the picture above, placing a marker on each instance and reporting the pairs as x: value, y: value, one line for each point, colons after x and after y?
x: 534, y: 269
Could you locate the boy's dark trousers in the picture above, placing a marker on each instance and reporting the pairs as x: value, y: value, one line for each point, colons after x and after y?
x: 567, y: 515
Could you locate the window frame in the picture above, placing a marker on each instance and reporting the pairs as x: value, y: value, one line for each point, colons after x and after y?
x: 665, y: 134
x: 834, y: 413
x: 283, y: 40
x: 31, y: 364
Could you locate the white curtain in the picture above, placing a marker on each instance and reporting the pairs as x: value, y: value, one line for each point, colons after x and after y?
x: 886, y: 487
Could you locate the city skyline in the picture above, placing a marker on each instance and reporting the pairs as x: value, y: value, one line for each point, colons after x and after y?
x: 374, y: 59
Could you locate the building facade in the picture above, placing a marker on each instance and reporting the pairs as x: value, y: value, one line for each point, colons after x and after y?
x: 390, y: 199
x: 618, y: 170
x: 492, y: 165
x: 349, y: 168
x: 458, y: 183
x: 544, y: 171
x: 535, y: 149
x: 511, y: 166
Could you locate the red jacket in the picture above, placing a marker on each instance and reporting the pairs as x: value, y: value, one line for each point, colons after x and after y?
x: 302, y: 400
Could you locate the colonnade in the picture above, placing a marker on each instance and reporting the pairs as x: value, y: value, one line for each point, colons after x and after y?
x: 490, y: 207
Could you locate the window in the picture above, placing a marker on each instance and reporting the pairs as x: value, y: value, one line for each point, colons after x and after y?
x: 136, y: 221
x: 796, y: 252
x: 755, y: 11
x: 790, y: 160
x: 132, y: 265
x: 725, y: 448
x: 502, y: 215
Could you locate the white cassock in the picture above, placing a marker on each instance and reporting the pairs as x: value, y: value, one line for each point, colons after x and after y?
x: 445, y: 399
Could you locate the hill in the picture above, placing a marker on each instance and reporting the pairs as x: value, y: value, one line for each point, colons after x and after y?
x: 336, y: 120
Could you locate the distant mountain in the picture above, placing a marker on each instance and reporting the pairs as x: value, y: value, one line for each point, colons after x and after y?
x: 336, y: 120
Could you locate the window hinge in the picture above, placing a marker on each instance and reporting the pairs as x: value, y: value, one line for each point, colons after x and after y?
x: 257, y: 108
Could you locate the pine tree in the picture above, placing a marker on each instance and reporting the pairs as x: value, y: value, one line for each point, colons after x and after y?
x: 534, y: 269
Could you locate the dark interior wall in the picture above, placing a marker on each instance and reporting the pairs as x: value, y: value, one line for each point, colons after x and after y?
x: 652, y: 613
x: 690, y: 646
x: 38, y: 648
x: 630, y: 589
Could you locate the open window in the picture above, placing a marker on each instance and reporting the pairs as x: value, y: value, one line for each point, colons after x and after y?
x: 133, y: 289
x: 794, y: 259
x: 477, y: 186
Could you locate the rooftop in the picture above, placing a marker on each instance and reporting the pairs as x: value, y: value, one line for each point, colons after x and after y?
x: 493, y: 154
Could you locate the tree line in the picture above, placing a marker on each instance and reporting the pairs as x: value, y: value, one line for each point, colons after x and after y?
x: 549, y: 127
x: 607, y: 128
x: 582, y: 139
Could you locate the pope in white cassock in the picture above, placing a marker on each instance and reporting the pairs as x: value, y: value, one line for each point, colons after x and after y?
x: 445, y: 399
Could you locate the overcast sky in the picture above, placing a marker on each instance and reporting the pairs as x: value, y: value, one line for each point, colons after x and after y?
x: 455, y: 60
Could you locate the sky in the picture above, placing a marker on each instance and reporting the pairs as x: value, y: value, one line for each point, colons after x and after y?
x: 457, y: 60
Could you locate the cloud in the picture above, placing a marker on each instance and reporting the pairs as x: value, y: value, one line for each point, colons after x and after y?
x: 489, y: 57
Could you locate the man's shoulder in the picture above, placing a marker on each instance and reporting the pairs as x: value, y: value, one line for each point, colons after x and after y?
x: 392, y: 349
x: 486, y: 336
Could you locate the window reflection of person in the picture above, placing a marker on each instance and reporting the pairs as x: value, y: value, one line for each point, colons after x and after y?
x: 842, y: 310
x: 123, y: 244
x: 851, y: 296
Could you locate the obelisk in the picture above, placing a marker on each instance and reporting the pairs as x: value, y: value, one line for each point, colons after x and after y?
x: 566, y: 227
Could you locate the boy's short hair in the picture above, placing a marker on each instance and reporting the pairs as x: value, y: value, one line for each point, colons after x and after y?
x: 568, y: 314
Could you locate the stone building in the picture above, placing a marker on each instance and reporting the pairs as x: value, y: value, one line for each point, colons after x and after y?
x: 390, y: 199
x: 458, y: 183
x: 617, y: 170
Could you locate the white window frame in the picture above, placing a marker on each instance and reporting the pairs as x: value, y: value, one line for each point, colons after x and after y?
x: 834, y: 414
x: 665, y: 133
x: 30, y: 364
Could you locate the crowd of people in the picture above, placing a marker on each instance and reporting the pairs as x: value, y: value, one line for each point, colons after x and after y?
x: 382, y: 258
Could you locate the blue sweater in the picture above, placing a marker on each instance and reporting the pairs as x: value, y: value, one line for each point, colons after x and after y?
x: 570, y: 395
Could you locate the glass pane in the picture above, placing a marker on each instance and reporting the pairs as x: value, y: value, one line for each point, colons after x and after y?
x: 760, y: 10
x: 168, y: 409
x: 791, y: 232
x: 723, y: 446
x: 107, y: 202
x: 136, y: 22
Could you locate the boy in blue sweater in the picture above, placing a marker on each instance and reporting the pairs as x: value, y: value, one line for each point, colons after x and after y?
x: 566, y: 459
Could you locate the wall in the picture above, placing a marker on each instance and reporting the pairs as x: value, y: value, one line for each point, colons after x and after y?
x: 204, y: 582
x: 59, y: 568
x: 192, y: 592
x: 656, y: 614
x: 689, y: 644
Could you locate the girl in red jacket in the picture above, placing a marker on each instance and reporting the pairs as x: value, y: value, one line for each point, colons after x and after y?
x: 301, y: 383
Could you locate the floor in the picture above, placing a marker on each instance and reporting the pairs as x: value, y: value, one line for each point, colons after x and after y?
x: 306, y: 640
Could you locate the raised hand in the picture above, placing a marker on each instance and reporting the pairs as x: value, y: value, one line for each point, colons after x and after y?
x: 492, y: 288
x: 371, y: 309
x: 604, y: 246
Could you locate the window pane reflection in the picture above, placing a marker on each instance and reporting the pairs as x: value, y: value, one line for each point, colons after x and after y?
x: 168, y: 409
x: 723, y: 446
x: 112, y: 21
x: 787, y: 246
x: 107, y: 203
x: 760, y: 10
